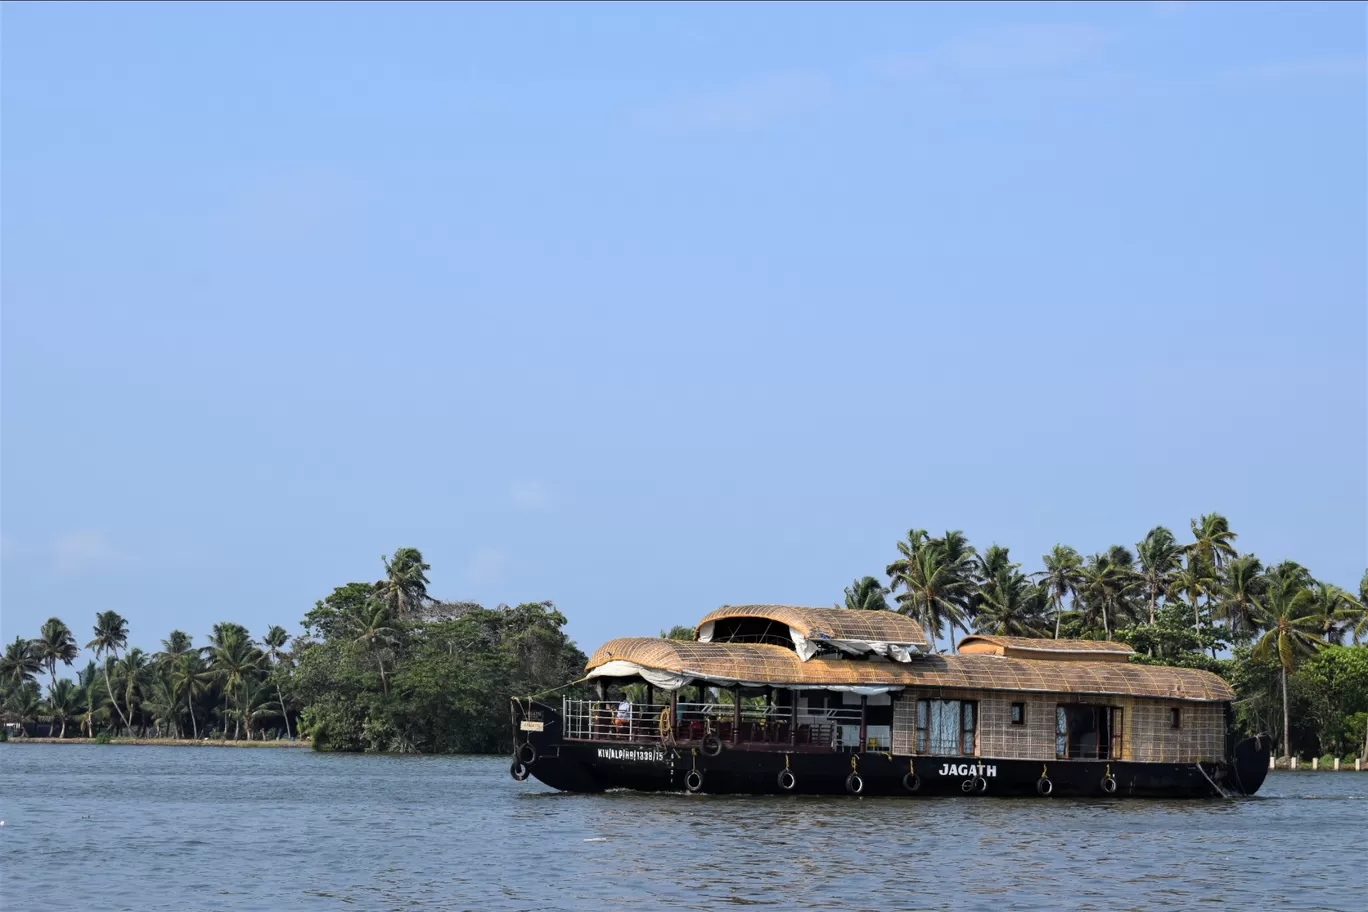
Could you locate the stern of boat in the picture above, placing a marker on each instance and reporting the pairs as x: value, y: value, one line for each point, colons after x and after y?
x: 1249, y: 764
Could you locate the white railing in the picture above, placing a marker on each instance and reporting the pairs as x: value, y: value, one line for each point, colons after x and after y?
x: 609, y: 720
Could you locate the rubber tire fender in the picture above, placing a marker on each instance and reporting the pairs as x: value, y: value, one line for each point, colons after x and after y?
x: 518, y: 770
x: 855, y: 784
x: 1044, y: 787
x: 912, y: 782
x: 786, y: 780
x: 712, y: 745
x: 693, y: 780
x: 1108, y: 785
x: 527, y: 753
x: 980, y: 785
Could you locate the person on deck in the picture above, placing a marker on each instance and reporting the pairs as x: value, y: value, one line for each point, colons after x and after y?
x: 623, y: 717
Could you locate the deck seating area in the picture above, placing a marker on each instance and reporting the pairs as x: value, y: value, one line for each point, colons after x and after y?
x: 691, y: 723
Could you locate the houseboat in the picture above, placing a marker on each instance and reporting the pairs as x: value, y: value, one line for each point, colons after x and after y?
x: 772, y: 699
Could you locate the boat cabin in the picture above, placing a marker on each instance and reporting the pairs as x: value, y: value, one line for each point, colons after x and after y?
x: 791, y: 679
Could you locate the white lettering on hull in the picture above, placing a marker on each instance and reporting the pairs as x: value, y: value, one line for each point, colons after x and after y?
x: 632, y: 753
x: 988, y: 771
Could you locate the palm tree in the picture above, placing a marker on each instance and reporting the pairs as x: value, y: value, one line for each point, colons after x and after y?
x: 866, y: 594
x: 1061, y: 577
x: 64, y: 703
x: 1010, y: 605
x: 1160, y: 557
x: 111, y: 635
x: 908, y: 550
x: 1241, y: 591
x: 55, y: 644
x: 1213, y: 539
x: 190, y: 679
x: 1195, y: 580
x: 131, y: 672
x: 177, y: 643
x: 1109, y: 582
x: 24, y: 702
x: 1335, y: 611
x: 90, y: 697
x: 275, y: 640
x: 20, y: 664
x: 1291, y: 632
x: 234, y: 658
x: 404, y: 588
x: 371, y: 630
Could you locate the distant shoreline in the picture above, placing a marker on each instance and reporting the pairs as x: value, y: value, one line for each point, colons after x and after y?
x: 161, y: 742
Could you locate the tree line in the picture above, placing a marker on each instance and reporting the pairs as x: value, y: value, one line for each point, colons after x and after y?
x: 380, y: 666
x: 1284, y: 631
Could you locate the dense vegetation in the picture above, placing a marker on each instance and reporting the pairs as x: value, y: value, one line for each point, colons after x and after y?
x: 380, y: 666
x: 1283, y: 633
x: 383, y: 666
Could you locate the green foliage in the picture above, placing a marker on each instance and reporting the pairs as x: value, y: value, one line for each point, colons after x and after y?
x: 678, y: 632
x: 865, y: 594
x: 103, y: 738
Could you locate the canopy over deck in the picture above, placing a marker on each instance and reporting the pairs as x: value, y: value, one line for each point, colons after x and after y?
x: 884, y: 633
x: 1053, y: 650
x: 671, y: 664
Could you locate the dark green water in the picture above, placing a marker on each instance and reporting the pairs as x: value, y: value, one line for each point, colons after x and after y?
x: 145, y: 828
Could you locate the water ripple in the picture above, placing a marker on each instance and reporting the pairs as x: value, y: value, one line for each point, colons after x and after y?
x: 235, y: 830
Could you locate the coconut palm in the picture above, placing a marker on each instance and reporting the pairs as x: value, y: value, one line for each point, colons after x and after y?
x: 189, y: 679
x: 866, y: 594
x: 275, y: 641
x: 177, y: 643
x: 1291, y: 631
x: 371, y: 629
x: 54, y: 644
x: 907, y: 551
x: 1061, y: 577
x: 91, y: 698
x: 1109, y: 584
x: 935, y: 585
x: 1160, y: 558
x: 63, y: 703
x: 1213, y: 540
x: 1240, y: 592
x: 1336, y: 612
x: 1197, y: 579
x: 234, y: 658
x: 130, y: 673
x: 1010, y: 605
x: 20, y: 664
x: 24, y: 703
x: 404, y: 588
x: 111, y: 635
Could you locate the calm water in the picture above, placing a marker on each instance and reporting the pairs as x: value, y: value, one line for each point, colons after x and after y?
x: 140, y: 828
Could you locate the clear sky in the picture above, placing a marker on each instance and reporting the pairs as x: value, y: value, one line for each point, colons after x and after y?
x: 648, y: 309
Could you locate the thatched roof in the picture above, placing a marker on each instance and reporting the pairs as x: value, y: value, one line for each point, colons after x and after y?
x: 1038, y: 648
x: 831, y: 623
x: 764, y: 664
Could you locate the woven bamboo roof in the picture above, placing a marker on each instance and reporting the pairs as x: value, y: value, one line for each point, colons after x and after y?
x: 831, y: 623
x: 764, y: 664
x: 1039, y: 648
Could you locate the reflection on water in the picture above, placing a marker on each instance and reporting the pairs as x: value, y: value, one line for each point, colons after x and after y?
x: 190, y: 829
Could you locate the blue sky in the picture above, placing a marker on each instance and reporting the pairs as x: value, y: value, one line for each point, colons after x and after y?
x: 648, y: 309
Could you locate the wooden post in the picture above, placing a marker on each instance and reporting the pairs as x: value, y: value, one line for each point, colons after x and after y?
x: 736, y: 714
x: 1337, y: 764
x: 1315, y: 763
x: 1294, y: 763
x: 864, y: 727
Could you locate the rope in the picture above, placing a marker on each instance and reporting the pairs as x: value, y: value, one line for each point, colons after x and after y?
x: 786, y: 761
x: 554, y: 689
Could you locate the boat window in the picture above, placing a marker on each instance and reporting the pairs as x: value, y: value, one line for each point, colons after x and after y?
x: 1175, y: 718
x: 1018, y: 713
x: 946, y: 726
x: 1087, y: 732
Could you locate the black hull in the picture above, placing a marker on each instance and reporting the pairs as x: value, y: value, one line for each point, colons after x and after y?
x: 596, y: 766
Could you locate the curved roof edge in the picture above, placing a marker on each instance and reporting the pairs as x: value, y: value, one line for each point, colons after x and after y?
x: 830, y: 623
x: 728, y: 663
